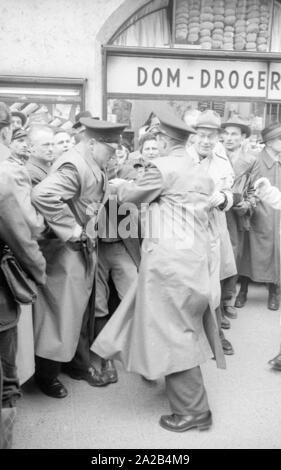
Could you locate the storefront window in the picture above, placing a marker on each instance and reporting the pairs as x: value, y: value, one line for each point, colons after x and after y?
x: 134, y: 113
x: 230, y: 25
x: 47, y: 101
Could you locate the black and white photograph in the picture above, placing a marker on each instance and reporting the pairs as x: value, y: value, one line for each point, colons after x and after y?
x: 140, y: 212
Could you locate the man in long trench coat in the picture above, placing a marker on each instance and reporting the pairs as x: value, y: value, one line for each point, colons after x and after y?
x: 261, y: 257
x: 212, y: 162
x: 71, y: 199
x: 161, y: 326
x: 245, y: 168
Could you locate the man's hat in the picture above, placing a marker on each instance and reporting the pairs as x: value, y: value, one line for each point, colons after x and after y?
x: 21, y: 115
x: 208, y: 119
x: 171, y: 125
x: 270, y: 132
x: 103, y: 131
x: 18, y: 134
x: 237, y: 121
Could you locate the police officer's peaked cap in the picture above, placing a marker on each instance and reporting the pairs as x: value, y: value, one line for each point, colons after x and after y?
x: 21, y: 115
x: 18, y: 134
x: 172, y: 126
x: 208, y: 119
x: 237, y: 121
x: 103, y: 131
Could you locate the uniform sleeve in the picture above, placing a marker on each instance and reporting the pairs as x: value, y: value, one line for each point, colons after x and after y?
x: 15, y: 232
x: 51, y: 198
x: 145, y: 189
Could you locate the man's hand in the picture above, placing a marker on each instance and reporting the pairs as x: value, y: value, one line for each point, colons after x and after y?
x: 76, y: 234
x: 217, y: 199
x: 261, y: 185
x: 241, y: 208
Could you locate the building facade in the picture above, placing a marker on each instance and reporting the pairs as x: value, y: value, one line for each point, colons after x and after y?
x: 123, y: 59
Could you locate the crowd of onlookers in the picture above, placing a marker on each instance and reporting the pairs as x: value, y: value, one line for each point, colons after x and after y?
x: 39, y: 175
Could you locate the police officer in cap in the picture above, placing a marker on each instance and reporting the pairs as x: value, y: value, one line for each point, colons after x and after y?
x: 158, y: 329
x: 71, y: 199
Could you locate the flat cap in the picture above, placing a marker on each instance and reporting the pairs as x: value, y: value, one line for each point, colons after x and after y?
x: 18, y: 134
x: 103, y: 131
x: 208, y: 119
x: 171, y: 125
x: 237, y: 121
x: 21, y: 115
x: 272, y: 131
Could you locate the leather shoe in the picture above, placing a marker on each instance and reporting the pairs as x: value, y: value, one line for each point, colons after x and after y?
x: 241, y: 299
x: 230, y: 311
x: 51, y: 387
x: 225, y: 323
x: 91, y: 375
x: 179, y: 423
x: 273, y: 301
x: 276, y: 362
x: 108, y: 369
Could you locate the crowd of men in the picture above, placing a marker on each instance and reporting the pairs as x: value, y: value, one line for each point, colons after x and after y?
x: 136, y: 256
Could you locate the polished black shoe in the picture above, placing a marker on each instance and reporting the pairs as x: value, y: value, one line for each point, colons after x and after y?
x: 108, y: 369
x: 179, y: 423
x: 225, y: 323
x: 230, y: 311
x: 92, y: 376
x: 273, y: 302
x: 51, y: 387
x: 241, y: 299
x: 276, y: 362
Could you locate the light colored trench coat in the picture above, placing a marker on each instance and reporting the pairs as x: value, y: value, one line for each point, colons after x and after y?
x: 223, y: 263
x: 164, y: 323
x: 75, y: 184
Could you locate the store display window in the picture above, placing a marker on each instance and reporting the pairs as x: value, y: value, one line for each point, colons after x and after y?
x: 44, y: 100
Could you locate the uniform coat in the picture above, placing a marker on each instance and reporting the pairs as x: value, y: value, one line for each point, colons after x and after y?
x: 260, y: 261
x: 72, y: 194
x: 161, y: 326
x: 15, y: 232
x: 21, y: 178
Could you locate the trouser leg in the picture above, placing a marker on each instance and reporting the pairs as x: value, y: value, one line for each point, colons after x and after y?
x: 46, y: 369
x: 8, y: 351
x: 186, y: 392
x: 229, y: 290
x: 9, y: 386
x: 81, y: 359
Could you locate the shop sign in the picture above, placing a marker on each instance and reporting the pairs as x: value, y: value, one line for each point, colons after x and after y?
x: 274, y: 86
x: 189, y: 77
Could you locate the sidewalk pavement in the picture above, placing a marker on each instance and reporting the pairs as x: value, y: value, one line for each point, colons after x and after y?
x: 244, y: 399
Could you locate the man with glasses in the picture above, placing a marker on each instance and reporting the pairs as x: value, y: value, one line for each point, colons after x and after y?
x: 203, y: 153
x: 71, y: 199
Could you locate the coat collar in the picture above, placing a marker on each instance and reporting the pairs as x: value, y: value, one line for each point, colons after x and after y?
x: 98, y: 173
x: 243, y: 160
x: 268, y: 159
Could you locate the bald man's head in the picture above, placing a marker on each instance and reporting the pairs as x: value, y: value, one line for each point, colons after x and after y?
x: 41, y: 140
